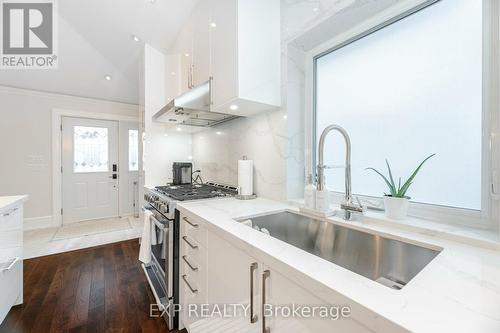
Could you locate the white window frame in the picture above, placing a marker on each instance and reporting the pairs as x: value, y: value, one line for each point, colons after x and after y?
x: 488, y: 216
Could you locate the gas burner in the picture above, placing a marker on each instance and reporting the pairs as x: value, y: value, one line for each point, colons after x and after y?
x: 197, y: 191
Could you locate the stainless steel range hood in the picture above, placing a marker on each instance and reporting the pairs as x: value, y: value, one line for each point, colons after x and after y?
x: 193, y: 108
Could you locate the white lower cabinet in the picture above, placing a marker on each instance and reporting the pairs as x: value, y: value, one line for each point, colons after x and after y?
x: 11, y: 258
x: 290, y: 307
x: 243, y: 294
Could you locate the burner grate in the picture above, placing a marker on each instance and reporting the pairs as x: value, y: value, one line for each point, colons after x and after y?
x: 196, y: 191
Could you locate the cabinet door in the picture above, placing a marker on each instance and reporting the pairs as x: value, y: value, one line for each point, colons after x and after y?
x: 224, y: 49
x: 230, y: 271
x: 184, y: 47
x: 282, y: 294
x: 173, y: 81
x: 201, y: 44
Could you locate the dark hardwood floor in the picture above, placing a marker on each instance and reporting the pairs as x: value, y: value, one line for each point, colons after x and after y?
x: 101, y: 289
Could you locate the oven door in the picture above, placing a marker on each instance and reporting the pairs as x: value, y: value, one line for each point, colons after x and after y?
x: 162, y: 250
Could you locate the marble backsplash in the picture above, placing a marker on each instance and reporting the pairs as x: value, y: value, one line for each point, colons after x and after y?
x: 262, y: 138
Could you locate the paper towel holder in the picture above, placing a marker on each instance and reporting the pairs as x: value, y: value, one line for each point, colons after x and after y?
x: 245, y: 197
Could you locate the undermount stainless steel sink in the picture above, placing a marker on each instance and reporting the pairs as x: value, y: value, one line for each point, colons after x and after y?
x: 390, y: 262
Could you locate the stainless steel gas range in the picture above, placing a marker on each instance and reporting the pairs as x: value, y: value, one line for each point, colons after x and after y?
x: 163, y: 270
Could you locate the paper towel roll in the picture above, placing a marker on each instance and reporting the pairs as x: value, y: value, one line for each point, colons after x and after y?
x: 245, y: 177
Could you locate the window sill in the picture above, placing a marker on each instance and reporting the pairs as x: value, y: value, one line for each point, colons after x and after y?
x: 486, y: 238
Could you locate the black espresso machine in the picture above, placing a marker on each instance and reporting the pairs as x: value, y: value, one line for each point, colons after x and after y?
x: 182, y: 173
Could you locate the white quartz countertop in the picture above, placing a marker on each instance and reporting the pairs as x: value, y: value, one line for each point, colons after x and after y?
x: 10, y: 201
x: 459, y: 291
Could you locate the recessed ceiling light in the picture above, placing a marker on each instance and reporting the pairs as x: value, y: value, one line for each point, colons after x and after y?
x: 152, y: 1
x: 213, y: 24
x: 233, y: 107
x: 186, y: 54
x: 179, y: 129
x: 315, y: 9
x: 218, y: 133
x: 136, y: 38
x: 285, y: 116
x: 108, y: 77
x: 172, y: 73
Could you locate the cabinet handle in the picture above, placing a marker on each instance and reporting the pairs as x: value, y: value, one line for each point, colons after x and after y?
x: 189, y: 243
x: 211, y: 96
x: 8, y: 213
x: 192, y: 76
x: 194, y: 225
x: 8, y: 268
x: 193, y: 268
x: 253, y: 317
x: 265, y: 275
x: 193, y: 290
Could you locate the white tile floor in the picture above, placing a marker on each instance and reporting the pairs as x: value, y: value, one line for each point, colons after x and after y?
x: 39, y: 242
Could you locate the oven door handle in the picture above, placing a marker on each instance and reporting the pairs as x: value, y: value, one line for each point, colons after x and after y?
x: 160, y: 225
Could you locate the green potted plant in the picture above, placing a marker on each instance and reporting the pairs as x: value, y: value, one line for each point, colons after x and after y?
x: 396, y: 201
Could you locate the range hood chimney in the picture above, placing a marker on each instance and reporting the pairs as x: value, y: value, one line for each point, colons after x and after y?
x: 193, y: 108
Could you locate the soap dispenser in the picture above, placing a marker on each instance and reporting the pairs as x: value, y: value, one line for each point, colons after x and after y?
x: 310, y: 193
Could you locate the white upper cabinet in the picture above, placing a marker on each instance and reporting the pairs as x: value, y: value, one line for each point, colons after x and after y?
x: 237, y: 43
x: 184, y: 49
x: 201, y: 44
x: 246, y: 66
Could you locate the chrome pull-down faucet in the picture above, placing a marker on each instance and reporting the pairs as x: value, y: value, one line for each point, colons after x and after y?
x: 347, y: 205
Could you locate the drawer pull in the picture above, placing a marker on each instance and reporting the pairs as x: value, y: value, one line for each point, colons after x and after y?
x: 194, y: 225
x: 265, y: 275
x: 253, y: 317
x: 8, y: 268
x: 193, y: 246
x: 8, y: 213
x: 194, y: 268
x: 193, y: 290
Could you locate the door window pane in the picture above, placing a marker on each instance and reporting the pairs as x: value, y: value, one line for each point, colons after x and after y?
x: 91, y: 149
x: 404, y: 92
x: 133, y: 150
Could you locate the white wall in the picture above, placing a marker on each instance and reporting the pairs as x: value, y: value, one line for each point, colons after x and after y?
x: 162, y: 147
x: 26, y: 142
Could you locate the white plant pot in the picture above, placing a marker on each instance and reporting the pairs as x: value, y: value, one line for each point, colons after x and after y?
x: 396, y: 208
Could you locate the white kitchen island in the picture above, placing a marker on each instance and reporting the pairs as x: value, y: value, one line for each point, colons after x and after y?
x: 11, y: 252
x: 458, y: 291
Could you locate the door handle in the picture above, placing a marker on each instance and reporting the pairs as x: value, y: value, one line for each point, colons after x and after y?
x: 194, y: 225
x: 193, y: 290
x: 253, y: 317
x: 193, y: 268
x: 191, y: 245
x: 265, y: 275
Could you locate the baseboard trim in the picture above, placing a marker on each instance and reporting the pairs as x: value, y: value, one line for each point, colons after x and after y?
x: 34, y: 223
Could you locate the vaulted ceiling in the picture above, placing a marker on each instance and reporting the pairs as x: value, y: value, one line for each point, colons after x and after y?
x: 95, y: 40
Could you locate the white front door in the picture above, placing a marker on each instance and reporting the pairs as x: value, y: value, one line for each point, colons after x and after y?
x: 89, y: 169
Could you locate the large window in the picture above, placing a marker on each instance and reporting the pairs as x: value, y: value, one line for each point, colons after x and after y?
x: 404, y: 92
